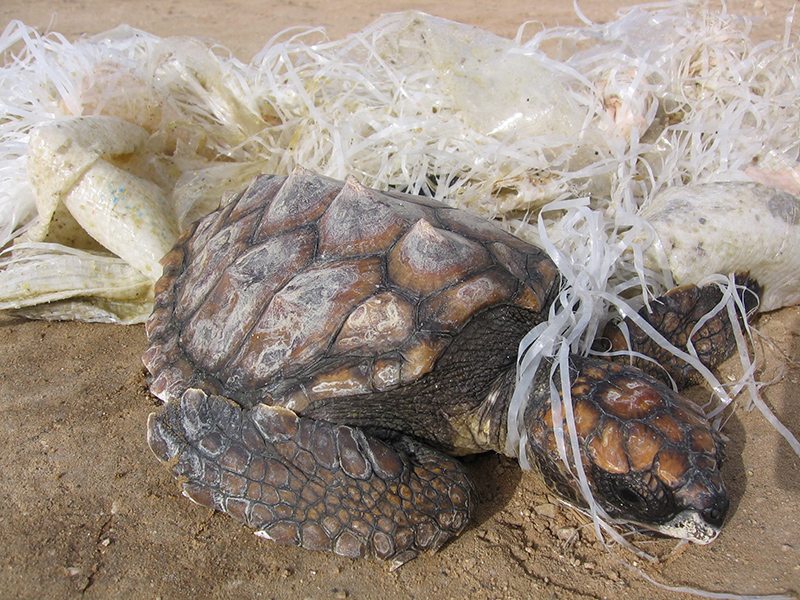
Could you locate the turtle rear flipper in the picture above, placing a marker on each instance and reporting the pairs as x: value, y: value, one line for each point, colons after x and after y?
x: 311, y: 483
x: 674, y: 315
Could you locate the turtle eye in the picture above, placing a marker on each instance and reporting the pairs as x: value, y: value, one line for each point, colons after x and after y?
x: 629, y: 496
x: 634, y: 496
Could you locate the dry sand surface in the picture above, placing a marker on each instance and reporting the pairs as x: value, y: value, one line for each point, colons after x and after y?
x: 87, y: 510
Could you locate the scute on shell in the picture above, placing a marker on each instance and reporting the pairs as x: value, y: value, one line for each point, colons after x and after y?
x: 345, y: 231
x: 428, y: 258
x: 232, y: 307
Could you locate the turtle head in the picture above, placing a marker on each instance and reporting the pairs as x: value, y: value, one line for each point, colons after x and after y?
x: 650, y: 456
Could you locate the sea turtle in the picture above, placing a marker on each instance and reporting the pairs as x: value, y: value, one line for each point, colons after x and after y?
x: 326, y: 350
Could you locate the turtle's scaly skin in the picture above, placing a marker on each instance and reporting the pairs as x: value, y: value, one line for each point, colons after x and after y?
x: 311, y: 483
x: 316, y: 340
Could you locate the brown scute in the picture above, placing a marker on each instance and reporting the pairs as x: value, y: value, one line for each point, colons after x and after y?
x: 233, y: 485
x: 323, y: 446
x: 689, y: 415
x: 376, y: 325
x: 607, y: 448
x: 384, y: 547
x: 277, y: 475
x: 300, y: 318
x: 234, y: 459
x: 641, y: 445
x: 302, y: 198
x: 533, y: 268
x: 350, y: 545
x: 453, y: 307
x: 163, y: 287
x: 473, y: 226
x: 199, y: 495
x: 205, y: 268
x: 169, y: 384
x: 356, y: 223
x: 231, y: 309
x: 295, y: 398
x: 458, y: 495
x: 386, y: 373
x: 704, y: 462
x: 260, y: 513
x: 425, y: 533
x: 172, y: 259
x: 672, y: 467
x: 667, y: 425
x: 314, y: 537
x: 202, y: 231
x: 263, y: 186
x: 212, y: 444
x: 384, y: 460
x: 586, y: 418
x: 346, y: 381
x: 256, y: 472
x: 157, y: 358
x: 527, y: 298
x: 305, y: 433
x: 420, y: 356
x: 410, y: 208
x: 428, y: 258
x: 594, y: 374
x: 511, y: 259
x: 542, y: 272
x: 350, y: 455
x: 276, y: 424
x: 701, y: 440
x: 282, y: 532
x: 160, y: 323
x: 629, y: 398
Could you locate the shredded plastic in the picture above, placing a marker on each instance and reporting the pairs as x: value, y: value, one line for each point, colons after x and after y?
x: 663, y: 96
x: 563, y: 134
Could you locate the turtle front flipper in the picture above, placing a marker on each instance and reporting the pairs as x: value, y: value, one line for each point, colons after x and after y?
x: 674, y: 315
x: 311, y: 483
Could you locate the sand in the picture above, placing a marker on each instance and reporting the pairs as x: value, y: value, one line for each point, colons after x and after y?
x: 87, y: 511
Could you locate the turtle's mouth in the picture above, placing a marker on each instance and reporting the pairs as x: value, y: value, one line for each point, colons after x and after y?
x: 687, y: 525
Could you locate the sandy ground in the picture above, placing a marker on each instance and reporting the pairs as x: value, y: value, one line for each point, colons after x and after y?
x: 87, y: 510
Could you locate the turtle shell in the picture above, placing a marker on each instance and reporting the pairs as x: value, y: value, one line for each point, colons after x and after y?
x: 304, y: 288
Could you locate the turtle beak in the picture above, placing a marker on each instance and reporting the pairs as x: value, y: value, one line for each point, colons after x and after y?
x: 705, y: 503
x: 689, y: 525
